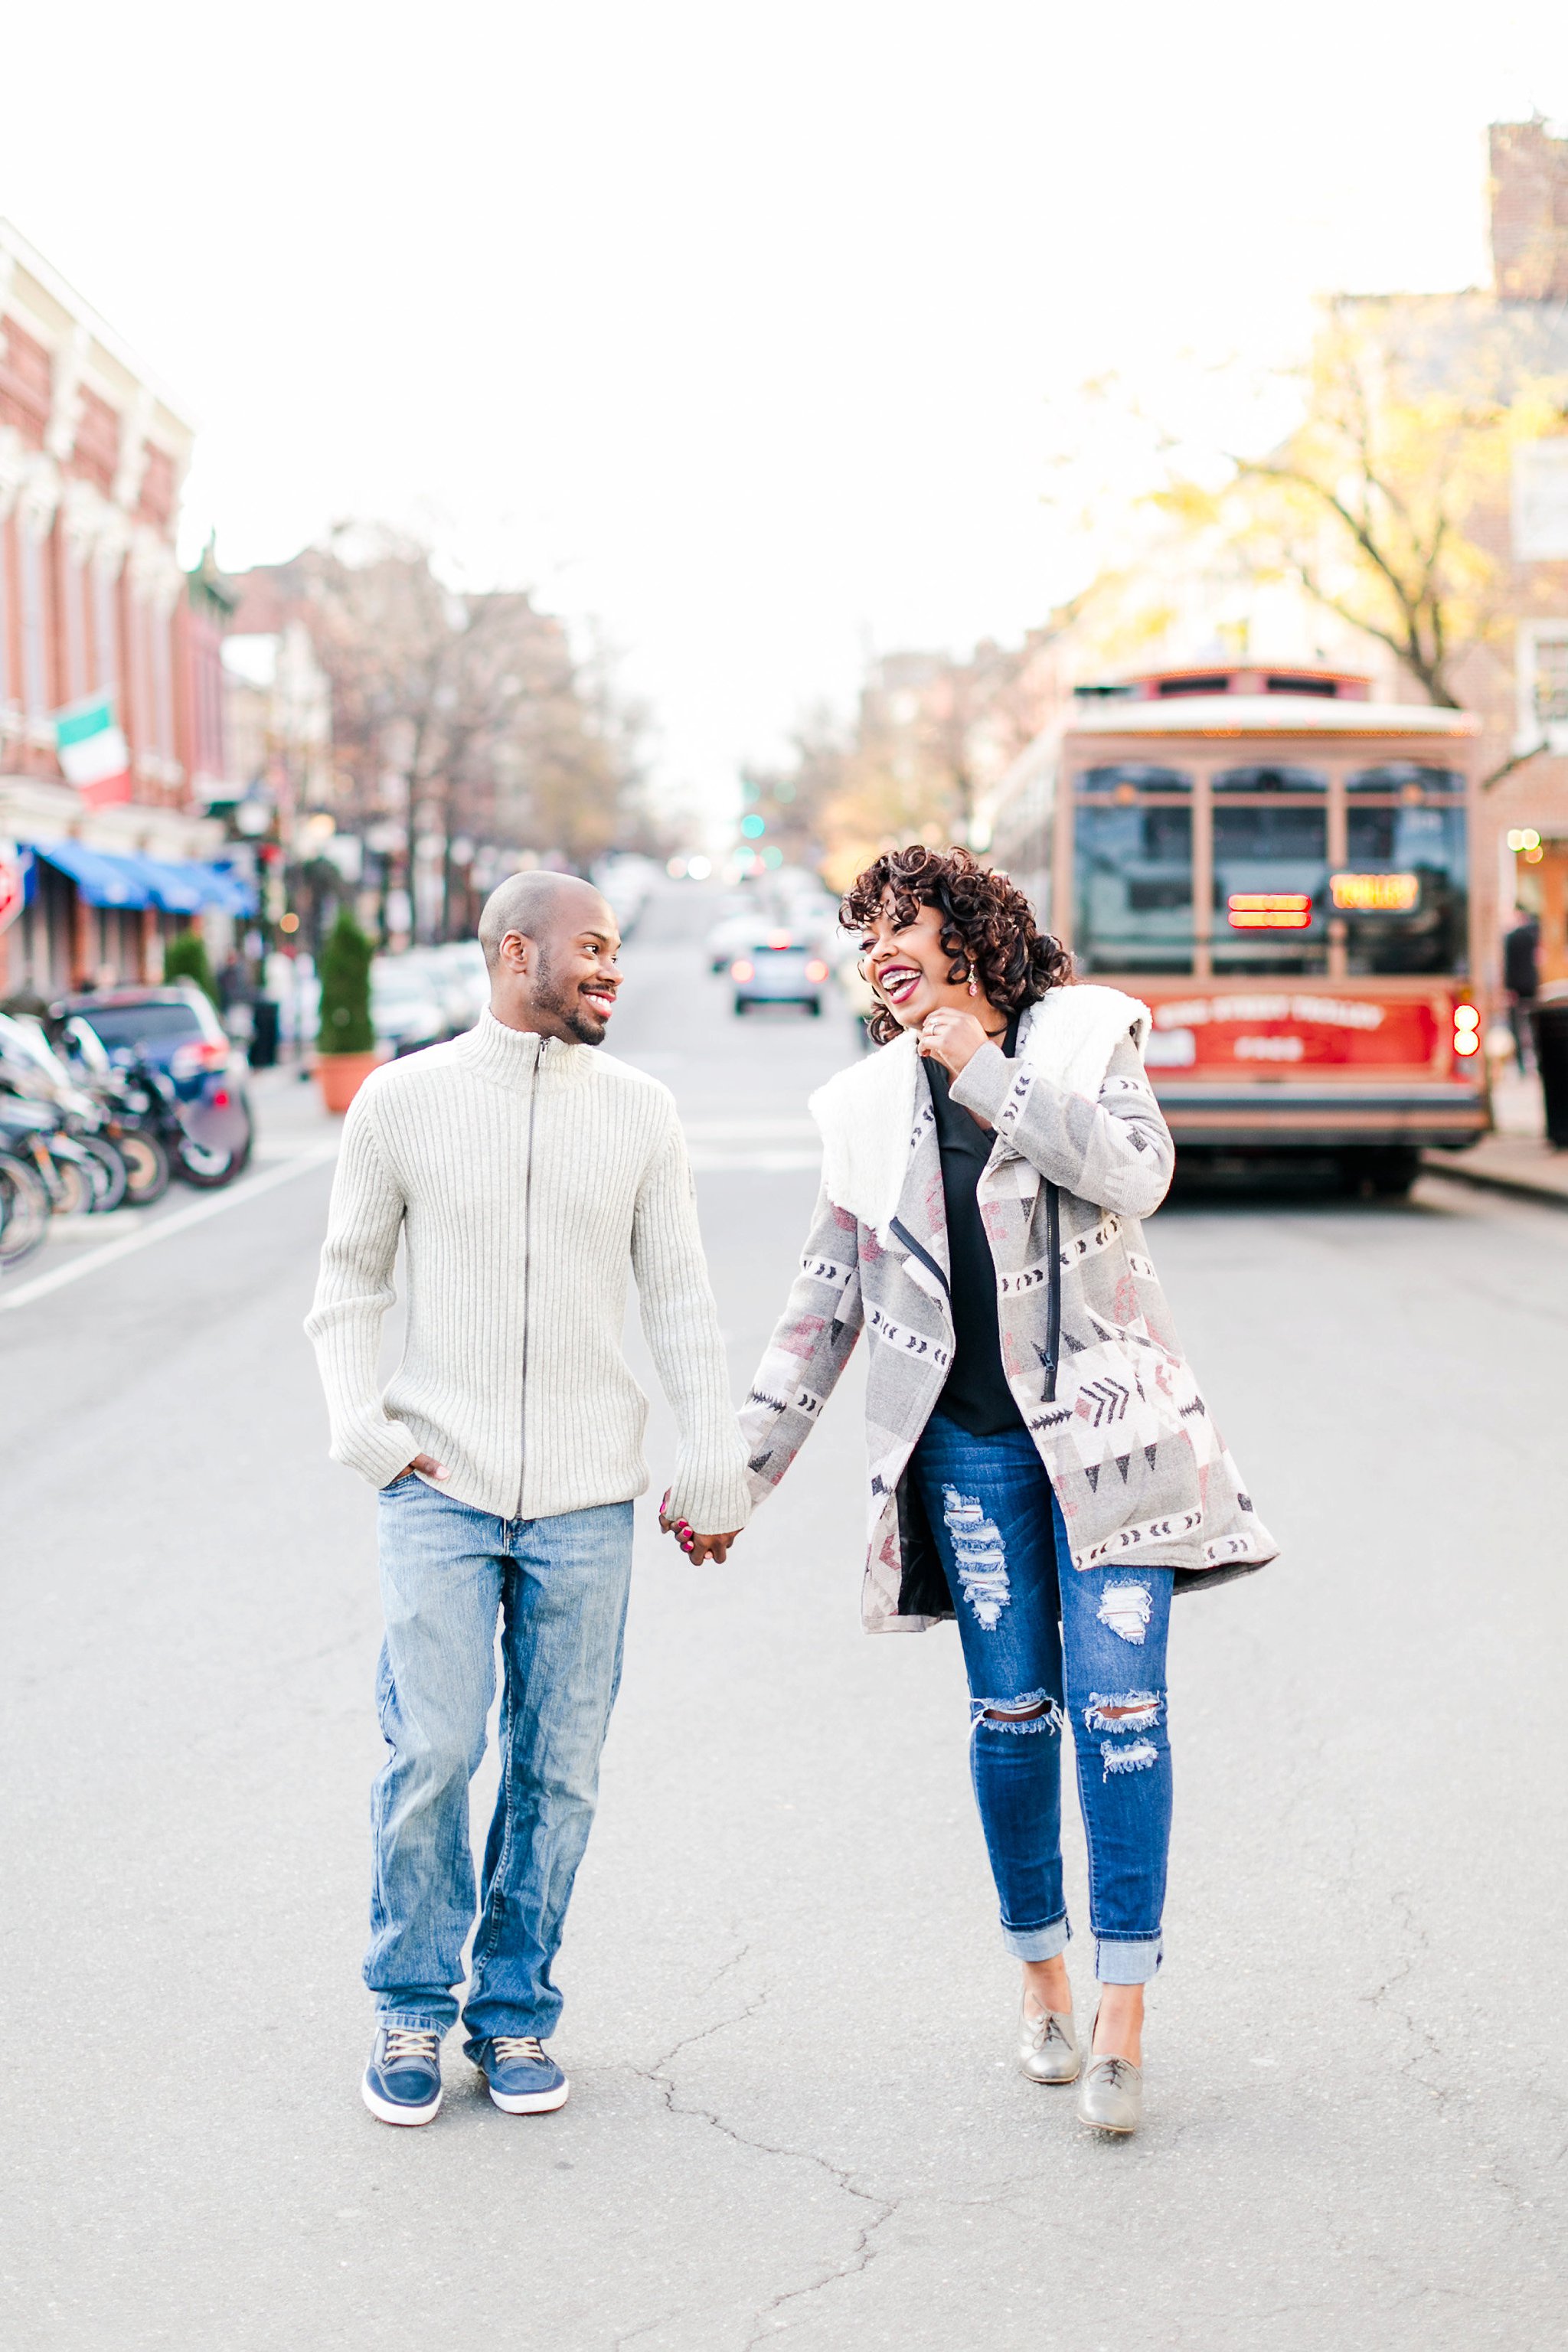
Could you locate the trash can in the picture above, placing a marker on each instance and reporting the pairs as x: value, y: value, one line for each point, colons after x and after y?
x: 1550, y: 1021
x: 264, y: 1034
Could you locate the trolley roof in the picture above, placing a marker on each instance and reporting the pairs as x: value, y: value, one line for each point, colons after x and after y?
x: 1260, y: 714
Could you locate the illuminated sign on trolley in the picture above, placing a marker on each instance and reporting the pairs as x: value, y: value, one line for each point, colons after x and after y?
x: 1375, y: 894
x: 1269, y: 910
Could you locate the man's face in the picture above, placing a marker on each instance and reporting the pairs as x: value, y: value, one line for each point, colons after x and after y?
x: 578, y: 976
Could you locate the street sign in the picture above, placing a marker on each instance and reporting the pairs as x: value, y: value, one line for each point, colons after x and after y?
x: 13, y: 884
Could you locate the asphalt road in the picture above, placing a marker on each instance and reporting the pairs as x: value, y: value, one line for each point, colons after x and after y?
x: 789, y: 2019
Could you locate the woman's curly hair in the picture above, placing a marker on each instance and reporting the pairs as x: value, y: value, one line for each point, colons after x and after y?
x: 987, y: 925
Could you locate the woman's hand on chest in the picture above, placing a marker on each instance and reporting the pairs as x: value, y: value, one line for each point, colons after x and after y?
x: 954, y: 1039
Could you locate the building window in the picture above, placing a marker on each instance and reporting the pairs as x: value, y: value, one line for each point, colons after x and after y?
x: 104, y: 628
x: 34, y: 651
x: 161, y: 626
x: 5, y: 613
x: 73, y: 600
x: 1542, y: 680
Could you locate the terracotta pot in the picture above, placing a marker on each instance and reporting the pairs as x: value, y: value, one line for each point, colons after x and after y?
x: 340, y: 1076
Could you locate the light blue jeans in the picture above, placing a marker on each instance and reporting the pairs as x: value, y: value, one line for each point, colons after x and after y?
x: 558, y: 1589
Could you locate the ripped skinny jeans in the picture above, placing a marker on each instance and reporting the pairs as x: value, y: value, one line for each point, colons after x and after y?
x: 1054, y: 1646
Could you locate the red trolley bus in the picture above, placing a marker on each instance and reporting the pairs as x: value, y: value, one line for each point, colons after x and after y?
x: 1281, y: 868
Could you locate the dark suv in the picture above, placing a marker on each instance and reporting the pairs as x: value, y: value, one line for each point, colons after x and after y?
x: 175, y: 1031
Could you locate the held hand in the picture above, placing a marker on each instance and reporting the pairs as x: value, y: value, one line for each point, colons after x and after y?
x: 427, y: 1465
x: 954, y: 1039
x: 699, y: 1548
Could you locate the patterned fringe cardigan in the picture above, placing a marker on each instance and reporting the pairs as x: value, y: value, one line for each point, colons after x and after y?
x: 1088, y: 1344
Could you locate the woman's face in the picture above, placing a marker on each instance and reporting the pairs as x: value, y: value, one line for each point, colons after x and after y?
x: 908, y: 966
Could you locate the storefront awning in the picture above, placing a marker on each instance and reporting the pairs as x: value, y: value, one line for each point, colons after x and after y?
x: 182, y: 885
x: 101, y: 877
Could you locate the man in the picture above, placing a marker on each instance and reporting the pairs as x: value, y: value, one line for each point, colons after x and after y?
x: 523, y: 1172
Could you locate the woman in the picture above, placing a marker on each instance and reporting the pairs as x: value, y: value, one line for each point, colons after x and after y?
x: 1042, y: 1466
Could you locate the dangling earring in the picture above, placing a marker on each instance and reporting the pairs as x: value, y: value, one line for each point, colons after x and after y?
x: 973, y: 990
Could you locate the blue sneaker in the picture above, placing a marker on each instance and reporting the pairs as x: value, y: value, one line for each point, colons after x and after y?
x: 402, y: 2082
x: 524, y: 2079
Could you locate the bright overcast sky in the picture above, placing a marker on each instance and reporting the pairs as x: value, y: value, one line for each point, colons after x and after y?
x: 749, y: 330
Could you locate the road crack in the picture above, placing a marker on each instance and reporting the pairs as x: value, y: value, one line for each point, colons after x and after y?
x: 861, y: 2253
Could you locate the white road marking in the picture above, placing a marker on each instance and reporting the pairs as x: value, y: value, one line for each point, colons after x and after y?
x: 707, y: 1162
x: 214, y: 1205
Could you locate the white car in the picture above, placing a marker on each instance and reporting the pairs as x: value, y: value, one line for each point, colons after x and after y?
x: 405, y: 1006
x: 460, y: 980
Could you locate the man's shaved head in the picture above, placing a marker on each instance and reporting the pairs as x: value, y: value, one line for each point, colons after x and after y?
x: 551, y: 942
x: 537, y: 905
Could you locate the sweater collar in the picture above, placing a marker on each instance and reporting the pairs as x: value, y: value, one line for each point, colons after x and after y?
x: 510, y: 1056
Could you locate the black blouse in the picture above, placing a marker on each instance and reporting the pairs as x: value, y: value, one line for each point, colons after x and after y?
x: 976, y: 1394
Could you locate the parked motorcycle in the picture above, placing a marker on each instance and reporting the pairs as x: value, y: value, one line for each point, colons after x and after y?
x: 72, y: 1177
x: 23, y: 1211
x: 133, y: 1108
x: 169, y: 1040
x: 66, y: 1132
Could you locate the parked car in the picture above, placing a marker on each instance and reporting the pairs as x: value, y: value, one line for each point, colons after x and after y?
x: 779, y: 970
x: 405, y: 1003
x: 176, y: 1033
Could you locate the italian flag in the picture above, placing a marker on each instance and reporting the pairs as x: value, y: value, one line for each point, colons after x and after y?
x: 92, y: 750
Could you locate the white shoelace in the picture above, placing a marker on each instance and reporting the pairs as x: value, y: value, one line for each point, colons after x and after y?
x: 406, y: 2042
x: 510, y: 2048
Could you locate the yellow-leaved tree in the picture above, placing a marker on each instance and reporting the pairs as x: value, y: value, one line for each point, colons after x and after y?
x: 1388, y: 504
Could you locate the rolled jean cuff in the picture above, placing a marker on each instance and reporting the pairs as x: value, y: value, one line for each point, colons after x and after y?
x: 1127, y: 1962
x: 1047, y: 1943
x: 414, y: 2020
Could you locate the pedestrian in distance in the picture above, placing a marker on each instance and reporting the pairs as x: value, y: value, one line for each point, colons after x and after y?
x: 1043, y: 1467
x: 524, y: 1173
x: 1521, y: 978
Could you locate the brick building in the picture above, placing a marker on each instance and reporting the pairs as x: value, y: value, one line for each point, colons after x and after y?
x: 105, y: 647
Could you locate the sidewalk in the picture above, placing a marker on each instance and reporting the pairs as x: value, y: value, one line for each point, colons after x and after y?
x: 287, y: 1111
x: 1516, y: 1157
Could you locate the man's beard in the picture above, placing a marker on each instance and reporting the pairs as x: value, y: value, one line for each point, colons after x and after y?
x: 551, y: 995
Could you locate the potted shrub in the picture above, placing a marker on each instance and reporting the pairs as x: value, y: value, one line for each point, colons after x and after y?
x: 185, y: 958
x: 346, y: 1049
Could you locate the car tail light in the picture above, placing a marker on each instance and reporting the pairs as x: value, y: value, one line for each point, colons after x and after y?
x: 1467, y: 1030
x: 200, y: 1054
x: 778, y: 939
x: 740, y: 970
x: 816, y: 969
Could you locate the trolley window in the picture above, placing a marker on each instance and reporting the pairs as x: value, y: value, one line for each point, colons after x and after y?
x: 1271, y: 780
x: 1270, y: 888
x: 1408, y: 782
x: 1404, y: 897
x: 1134, y: 888
x: 1130, y: 780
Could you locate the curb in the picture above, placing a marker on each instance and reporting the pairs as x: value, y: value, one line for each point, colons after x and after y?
x: 1486, y: 1179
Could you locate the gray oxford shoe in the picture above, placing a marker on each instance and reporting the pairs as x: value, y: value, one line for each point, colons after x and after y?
x: 1048, y: 2046
x: 1112, y: 2098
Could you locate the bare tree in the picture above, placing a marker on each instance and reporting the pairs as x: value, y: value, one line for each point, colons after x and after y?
x: 462, y: 717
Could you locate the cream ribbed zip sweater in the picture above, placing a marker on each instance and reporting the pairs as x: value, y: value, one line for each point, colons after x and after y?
x: 525, y: 1177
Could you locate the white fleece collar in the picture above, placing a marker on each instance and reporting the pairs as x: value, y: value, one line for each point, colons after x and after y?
x: 867, y: 1114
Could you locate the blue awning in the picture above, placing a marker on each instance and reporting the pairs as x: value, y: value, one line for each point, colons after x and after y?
x: 178, y: 889
x: 102, y: 879
x: 179, y: 886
